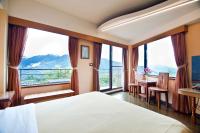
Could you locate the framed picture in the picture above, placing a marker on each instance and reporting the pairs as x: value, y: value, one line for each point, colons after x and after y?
x: 85, y: 52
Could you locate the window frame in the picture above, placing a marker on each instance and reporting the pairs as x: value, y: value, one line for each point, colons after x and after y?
x: 146, y: 59
x: 44, y: 84
x: 111, y: 71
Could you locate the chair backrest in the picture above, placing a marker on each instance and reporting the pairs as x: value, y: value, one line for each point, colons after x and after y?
x: 163, y: 80
x: 138, y: 77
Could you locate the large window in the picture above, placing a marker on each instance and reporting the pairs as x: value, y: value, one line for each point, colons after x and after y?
x: 111, y: 68
x: 158, y: 56
x: 46, y: 59
x: 140, y: 68
x: 104, y: 70
x: 117, y: 67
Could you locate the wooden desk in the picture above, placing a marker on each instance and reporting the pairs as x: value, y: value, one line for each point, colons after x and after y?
x: 193, y: 94
x: 6, y: 99
x: 146, y: 84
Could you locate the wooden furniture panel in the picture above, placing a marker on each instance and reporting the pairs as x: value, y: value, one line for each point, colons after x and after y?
x: 6, y: 99
x: 162, y: 87
x: 146, y: 84
x: 193, y: 93
x: 133, y: 88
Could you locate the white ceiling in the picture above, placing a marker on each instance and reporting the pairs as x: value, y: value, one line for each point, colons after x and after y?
x: 102, y: 12
x: 99, y: 11
x: 148, y: 27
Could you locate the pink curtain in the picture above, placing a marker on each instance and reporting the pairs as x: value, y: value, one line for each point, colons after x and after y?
x: 73, y: 54
x: 125, y: 63
x: 134, y: 63
x: 96, y: 64
x: 180, y: 103
x: 16, y: 44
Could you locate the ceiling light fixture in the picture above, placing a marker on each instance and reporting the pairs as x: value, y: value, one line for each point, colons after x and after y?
x: 133, y: 19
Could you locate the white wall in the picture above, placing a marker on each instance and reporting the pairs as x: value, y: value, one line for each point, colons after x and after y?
x: 34, y: 11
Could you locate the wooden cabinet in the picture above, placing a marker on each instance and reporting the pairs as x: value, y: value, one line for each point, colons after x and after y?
x: 6, y: 99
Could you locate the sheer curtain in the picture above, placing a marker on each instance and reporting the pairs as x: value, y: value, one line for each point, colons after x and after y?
x: 16, y: 43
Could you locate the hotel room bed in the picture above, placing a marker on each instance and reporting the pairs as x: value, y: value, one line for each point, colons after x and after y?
x: 99, y: 113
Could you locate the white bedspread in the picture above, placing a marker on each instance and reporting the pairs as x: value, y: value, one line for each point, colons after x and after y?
x: 99, y: 113
x: 20, y: 119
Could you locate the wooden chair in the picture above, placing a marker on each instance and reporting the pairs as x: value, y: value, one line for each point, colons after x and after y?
x: 133, y: 88
x: 162, y: 87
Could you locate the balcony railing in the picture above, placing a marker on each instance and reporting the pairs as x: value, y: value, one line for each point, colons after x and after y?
x: 35, y: 77
x: 117, y: 78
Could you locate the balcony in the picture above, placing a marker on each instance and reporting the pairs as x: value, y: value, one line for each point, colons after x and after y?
x: 39, y: 77
x: 117, y: 78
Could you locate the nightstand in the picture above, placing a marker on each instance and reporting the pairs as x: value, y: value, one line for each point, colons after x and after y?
x: 6, y: 99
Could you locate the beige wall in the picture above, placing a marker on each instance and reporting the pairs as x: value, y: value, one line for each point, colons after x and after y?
x: 192, y: 43
x: 84, y: 70
x: 3, y: 40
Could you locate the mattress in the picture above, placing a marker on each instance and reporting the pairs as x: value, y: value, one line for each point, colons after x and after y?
x: 96, y: 112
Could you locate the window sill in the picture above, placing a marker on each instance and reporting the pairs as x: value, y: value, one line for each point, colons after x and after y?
x: 42, y: 85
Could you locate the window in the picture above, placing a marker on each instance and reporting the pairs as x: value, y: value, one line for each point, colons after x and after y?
x: 111, y: 68
x: 159, y: 57
x: 46, y: 59
x: 140, y: 68
x: 117, y: 67
x: 104, y: 70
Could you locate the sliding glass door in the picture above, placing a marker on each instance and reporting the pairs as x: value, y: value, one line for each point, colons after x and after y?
x: 117, y: 68
x: 111, y: 68
x: 104, y: 70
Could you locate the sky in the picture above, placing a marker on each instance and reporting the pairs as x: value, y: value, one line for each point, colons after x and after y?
x: 42, y: 43
x: 117, y: 53
x: 161, y: 53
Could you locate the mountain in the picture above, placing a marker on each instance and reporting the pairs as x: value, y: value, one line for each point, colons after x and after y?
x: 55, y: 62
x: 46, y: 62
x: 159, y: 68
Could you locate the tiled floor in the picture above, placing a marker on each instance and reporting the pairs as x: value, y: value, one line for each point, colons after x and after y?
x: 186, y: 119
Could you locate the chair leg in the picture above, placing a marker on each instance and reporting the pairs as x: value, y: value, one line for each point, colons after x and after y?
x: 158, y: 99
x: 166, y: 96
x: 155, y: 97
x: 130, y: 89
x: 149, y: 96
